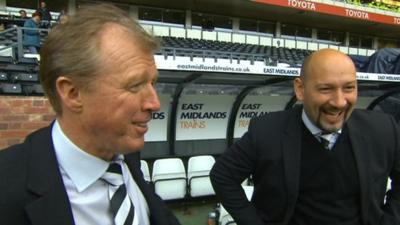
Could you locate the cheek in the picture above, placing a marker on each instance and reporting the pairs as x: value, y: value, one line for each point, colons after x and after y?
x: 353, y: 99
x: 131, y: 106
x: 123, y: 104
x: 316, y: 102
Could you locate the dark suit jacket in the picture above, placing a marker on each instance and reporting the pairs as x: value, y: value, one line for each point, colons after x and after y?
x: 270, y: 151
x: 32, y: 191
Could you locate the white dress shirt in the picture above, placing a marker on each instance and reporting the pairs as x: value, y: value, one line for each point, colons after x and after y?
x: 87, y: 194
x: 317, y: 132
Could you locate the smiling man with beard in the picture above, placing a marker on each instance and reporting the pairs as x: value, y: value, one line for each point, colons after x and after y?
x: 328, y: 93
x: 321, y: 163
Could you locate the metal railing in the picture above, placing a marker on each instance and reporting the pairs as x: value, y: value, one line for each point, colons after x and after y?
x: 250, y: 38
x: 11, y: 41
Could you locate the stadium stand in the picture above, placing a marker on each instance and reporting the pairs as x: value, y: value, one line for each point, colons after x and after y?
x: 19, y: 77
x: 384, y: 61
x: 386, y: 5
x: 235, y: 51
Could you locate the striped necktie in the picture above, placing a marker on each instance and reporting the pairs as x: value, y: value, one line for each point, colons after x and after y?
x: 121, y: 205
x: 325, y: 140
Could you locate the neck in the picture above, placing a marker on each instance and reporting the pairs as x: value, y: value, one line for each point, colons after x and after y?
x: 81, y: 137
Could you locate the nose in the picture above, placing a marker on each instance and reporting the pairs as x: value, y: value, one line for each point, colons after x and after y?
x: 151, y: 100
x: 339, y: 100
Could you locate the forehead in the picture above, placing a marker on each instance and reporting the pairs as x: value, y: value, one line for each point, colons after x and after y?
x: 331, y: 67
x: 123, y: 57
x: 112, y: 36
x: 120, y: 47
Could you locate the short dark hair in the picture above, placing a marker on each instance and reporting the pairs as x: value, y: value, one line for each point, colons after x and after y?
x: 37, y: 14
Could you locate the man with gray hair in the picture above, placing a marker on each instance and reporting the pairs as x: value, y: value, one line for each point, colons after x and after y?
x: 98, y: 72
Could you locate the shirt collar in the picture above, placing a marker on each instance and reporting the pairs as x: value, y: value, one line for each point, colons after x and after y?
x: 82, y: 168
x: 311, y: 127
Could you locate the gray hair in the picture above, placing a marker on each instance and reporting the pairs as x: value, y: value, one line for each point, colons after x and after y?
x: 72, y: 49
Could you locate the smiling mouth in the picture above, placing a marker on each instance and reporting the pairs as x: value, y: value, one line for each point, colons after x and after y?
x: 140, y: 128
x: 337, y: 114
x: 142, y: 125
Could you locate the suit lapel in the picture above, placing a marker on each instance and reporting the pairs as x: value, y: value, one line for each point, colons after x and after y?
x: 45, y: 183
x: 291, y: 147
x: 361, y: 151
x: 157, y: 215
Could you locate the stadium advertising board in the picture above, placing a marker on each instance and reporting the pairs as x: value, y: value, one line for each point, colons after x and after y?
x: 257, y: 105
x: 225, y: 66
x: 222, y: 66
x: 158, y: 124
x: 203, y: 117
x: 334, y: 10
x: 378, y: 77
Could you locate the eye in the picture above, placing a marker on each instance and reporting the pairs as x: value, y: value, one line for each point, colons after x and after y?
x: 134, y: 88
x: 324, y: 89
x: 349, y: 88
x: 154, y: 82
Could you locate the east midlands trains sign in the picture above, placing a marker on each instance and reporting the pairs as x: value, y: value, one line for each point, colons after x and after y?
x: 225, y: 66
x: 222, y: 66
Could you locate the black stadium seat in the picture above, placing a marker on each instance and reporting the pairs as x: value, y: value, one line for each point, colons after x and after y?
x: 28, y: 61
x: 32, y: 89
x: 3, y: 76
x: 6, y: 59
x: 14, y: 68
x: 32, y: 77
x: 8, y: 88
x: 238, y: 51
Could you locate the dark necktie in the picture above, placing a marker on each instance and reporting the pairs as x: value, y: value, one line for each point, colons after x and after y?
x: 324, y: 138
x: 121, y: 205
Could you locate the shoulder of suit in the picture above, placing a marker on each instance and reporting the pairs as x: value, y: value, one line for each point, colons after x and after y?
x: 371, y: 120
x: 369, y: 113
x: 275, y: 122
x: 283, y: 114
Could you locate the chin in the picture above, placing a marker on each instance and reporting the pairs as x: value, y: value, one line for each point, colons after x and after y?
x: 134, y: 147
x: 332, y: 128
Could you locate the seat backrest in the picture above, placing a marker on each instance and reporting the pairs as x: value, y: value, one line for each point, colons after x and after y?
x: 164, y: 168
x: 3, y: 76
x: 9, y: 88
x: 169, y: 178
x: 199, y: 168
x: 200, y: 165
x: 144, y: 167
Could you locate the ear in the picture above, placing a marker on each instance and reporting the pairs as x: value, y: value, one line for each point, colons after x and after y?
x: 298, y: 88
x: 69, y: 93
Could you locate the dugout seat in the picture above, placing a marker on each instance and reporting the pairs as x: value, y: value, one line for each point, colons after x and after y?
x: 169, y: 178
x: 199, y: 175
x: 144, y: 167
